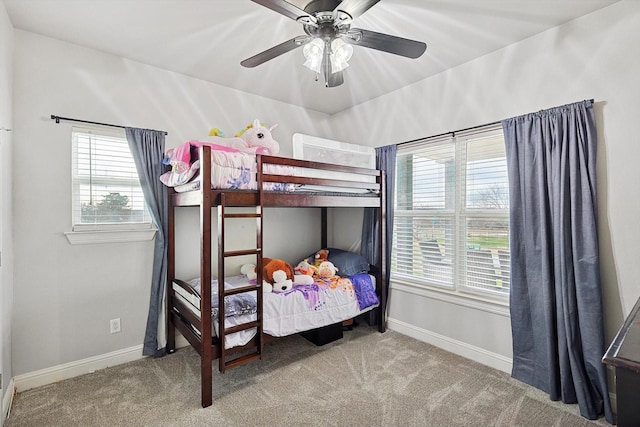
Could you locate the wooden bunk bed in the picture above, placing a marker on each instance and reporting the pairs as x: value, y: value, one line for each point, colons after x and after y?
x: 197, y: 327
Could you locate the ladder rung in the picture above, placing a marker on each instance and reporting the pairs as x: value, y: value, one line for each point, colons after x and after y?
x: 242, y: 215
x: 242, y: 252
x: 241, y: 327
x: 242, y: 290
x: 242, y: 360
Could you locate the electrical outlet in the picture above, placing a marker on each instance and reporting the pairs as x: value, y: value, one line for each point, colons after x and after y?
x: 114, y: 324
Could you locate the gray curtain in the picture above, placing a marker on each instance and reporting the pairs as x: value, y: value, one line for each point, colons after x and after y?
x: 556, y: 296
x: 147, y: 148
x: 386, y: 161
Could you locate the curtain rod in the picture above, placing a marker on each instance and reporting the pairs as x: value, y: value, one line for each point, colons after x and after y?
x: 58, y: 118
x: 453, y: 133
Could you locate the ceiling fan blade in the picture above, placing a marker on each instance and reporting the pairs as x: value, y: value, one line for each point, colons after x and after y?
x: 355, y: 8
x: 275, y: 51
x: 385, y: 42
x: 287, y: 9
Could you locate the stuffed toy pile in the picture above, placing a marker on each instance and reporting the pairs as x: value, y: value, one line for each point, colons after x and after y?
x: 322, y: 267
x: 277, y: 275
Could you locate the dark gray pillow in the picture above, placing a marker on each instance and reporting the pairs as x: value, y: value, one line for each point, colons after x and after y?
x: 347, y: 263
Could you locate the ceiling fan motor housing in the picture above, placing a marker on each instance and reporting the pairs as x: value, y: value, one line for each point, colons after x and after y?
x: 321, y: 6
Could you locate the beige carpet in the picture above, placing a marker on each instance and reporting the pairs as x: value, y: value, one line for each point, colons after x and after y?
x: 364, y: 379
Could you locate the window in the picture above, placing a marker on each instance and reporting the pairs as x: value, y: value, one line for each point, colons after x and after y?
x: 451, y: 225
x: 106, y: 188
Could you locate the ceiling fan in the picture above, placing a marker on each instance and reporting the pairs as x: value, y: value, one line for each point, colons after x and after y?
x: 329, y: 36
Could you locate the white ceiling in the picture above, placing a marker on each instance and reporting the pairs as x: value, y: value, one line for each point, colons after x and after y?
x: 207, y: 39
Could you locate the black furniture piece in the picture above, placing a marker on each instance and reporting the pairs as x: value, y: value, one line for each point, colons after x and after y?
x: 624, y: 355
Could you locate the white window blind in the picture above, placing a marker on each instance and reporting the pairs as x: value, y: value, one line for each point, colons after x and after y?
x: 451, y: 225
x: 106, y: 187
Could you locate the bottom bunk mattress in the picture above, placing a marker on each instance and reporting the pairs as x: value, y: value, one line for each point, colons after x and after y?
x: 304, y: 307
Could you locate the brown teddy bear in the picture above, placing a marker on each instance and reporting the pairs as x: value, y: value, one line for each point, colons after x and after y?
x: 321, y: 256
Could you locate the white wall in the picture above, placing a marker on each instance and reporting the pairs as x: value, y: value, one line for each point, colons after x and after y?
x: 65, y: 294
x: 6, y: 242
x: 592, y: 57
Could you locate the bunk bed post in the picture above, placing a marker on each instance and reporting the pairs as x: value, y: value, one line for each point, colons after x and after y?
x: 171, y: 274
x: 259, y: 253
x: 382, y: 252
x: 222, y: 356
x: 206, y: 350
x: 324, y: 232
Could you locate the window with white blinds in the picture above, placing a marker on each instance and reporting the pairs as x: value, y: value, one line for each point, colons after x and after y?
x: 451, y: 224
x: 106, y: 187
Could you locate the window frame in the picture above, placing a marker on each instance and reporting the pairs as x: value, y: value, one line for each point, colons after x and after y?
x: 108, y: 232
x: 459, y: 216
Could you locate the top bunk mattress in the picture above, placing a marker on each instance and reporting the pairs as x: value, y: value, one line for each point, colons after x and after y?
x: 239, y: 171
x: 229, y: 171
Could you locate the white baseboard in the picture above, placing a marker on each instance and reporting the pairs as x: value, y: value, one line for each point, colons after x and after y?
x: 477, y: 354
x: 85, y: 366
x: 463, y: 349
x: 7, y: 398
x: 80, y: 367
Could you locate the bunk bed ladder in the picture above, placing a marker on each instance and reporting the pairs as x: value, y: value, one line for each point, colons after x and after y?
x: 255, y: 351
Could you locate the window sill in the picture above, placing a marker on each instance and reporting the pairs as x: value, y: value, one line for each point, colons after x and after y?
x: 499, y: 306
x: 111, y: 236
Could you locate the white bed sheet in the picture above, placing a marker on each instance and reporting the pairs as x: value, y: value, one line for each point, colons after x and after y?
x: 297, y: 311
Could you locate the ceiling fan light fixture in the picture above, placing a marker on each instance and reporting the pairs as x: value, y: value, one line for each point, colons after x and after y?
x: 313, y: 52
x: 327, y: 24
x: 341, y: 52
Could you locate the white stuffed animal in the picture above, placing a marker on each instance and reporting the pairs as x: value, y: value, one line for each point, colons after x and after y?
x: 326, y: 270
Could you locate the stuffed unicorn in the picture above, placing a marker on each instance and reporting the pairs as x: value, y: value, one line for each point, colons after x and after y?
x: 254, y: 139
